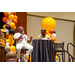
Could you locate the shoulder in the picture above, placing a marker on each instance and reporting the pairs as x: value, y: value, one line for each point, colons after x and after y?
x: 17, y: 34
x: 48, y: 36
x: 39, y: 36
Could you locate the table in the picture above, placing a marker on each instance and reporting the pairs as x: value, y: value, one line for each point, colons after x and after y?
x: 42, y: 51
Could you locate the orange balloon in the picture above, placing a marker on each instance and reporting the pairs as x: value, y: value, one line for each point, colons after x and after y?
x: 51, y: 31
x: 12, y: 25
x: 14, y: 13
x: 54, y: 39
x: 6, y: 15
x: 4, y: 19
x: 47, y: 31
x: 15, y: 17
x: 5, y: 12
x: 15, y: 21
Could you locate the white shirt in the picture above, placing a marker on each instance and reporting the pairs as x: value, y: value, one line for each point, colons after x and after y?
x: 23, y: 39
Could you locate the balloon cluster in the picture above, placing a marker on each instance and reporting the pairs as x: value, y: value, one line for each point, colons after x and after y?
x: 10, y: 19
x: 49, y: 24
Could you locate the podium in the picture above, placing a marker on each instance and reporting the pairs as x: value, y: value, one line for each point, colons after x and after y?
x: 2, y: 45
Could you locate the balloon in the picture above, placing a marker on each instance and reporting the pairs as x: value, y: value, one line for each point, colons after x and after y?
x: 15, y: 28
x: 54, y: 39
x: 11, y: 36
x: 4, y: 26
x: 7, y: 40
x: 53, y: 35
x: 11, y: 41
x: 49, y: 35
x: 6, y: 15
x: 11, y: 31
x: 9, y: 13
x: 47, y: 31
x: 14, y: 13
x: 48, y: 23
x: 56, y: 57
x: 15, y: 21
x: 8, y: 27
x: 51, y: 31
x: 5, y: 12
x: 12, y: 48
x: 11, y: 17
x: 4, y: 19
x: 8, y: 21
x: 15, y: 17
x: 12, y: 25
x: 7, y: 31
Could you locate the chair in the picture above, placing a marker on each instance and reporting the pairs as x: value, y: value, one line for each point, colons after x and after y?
x: 23, y: 51
x: 59, y: 47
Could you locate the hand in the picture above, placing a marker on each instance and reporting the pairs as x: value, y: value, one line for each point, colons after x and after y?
x: 31, y: 37
x: 22, y: 32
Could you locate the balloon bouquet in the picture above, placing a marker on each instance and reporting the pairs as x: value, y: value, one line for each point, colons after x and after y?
x: 10, y: 19
x: 49, y: 24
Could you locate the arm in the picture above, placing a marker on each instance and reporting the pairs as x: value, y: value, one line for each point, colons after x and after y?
x: 30, y: 39
x: 17, y: 39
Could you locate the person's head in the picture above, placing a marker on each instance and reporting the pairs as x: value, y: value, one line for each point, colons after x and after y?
x: 43, y: 31
x: 10, y: 56
x: 20, y: 29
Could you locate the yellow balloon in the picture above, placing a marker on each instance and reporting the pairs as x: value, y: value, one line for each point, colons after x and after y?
x: 48, y: 23
x: 11, y: 17
x: 12, y: 25
x: 55, y: 41
x: 7, y: 40
x: 11, y: 41
x: 2, y: 30
x: 4, y: 26
x: 11, y: 36
x: 56, y: 57
x: 12, y: 48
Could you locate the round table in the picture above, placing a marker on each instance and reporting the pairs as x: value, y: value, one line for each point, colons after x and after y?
x: 42, y: 51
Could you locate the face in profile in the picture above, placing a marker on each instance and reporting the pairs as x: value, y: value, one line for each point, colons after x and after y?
x: 21, y: 30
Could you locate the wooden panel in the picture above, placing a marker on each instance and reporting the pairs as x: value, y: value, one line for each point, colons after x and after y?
x: 22, y: 20
x: 0, y: 54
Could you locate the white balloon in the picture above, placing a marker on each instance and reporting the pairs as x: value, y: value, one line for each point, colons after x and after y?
x: 8, y: 21
x: 7, y: 31
x: 9, y: 13
x: 53, y: 35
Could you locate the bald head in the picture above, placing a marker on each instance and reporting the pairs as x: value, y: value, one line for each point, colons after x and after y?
x: 10, y: 54
x: 43, y: 31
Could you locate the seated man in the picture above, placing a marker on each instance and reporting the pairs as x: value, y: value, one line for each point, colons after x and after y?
x: 10, y: 57
x: 44, y: 35
x: 22, y: 42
